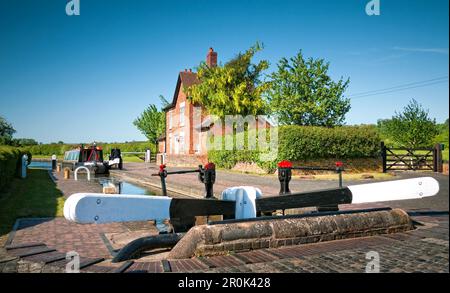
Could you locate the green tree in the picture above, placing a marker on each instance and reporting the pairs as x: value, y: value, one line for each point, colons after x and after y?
x: 24, y: 142
x: 232, y: 89
x: 412, y: 128
x: 302, y: 93
x: 152, y: 122
x: 6, y: 131
x: 443, y: 131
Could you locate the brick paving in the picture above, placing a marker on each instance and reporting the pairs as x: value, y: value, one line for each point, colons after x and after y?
x: 70, y: 186
x: 424, y: 249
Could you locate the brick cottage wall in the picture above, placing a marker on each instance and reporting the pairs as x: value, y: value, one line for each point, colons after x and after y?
x: 185, y: 160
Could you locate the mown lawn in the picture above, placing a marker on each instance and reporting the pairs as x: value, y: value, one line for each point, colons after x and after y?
x: 35, y: 196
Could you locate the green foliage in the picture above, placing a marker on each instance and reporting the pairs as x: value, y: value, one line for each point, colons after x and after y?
x: 59, y: 149
x: 412, y: 128
x: 302, y: 93
x: 231, y: 89
x: 129, y: 147
x: 298, y: 143
x: 19, y: 142
x: 10, y: 163
x: 442, y: 136
x: 152, y: 122
x: 343, y: 142
x: 6, y: 132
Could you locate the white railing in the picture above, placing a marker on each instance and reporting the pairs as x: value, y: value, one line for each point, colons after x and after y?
x: 84, y: 168
x: 146, y: 155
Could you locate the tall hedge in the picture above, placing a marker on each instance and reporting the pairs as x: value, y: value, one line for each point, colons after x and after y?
x: 296, y: 143
x: 10, y: 164
x: 310, y: 142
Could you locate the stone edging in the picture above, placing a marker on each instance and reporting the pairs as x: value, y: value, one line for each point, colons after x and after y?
x: 210, y: 240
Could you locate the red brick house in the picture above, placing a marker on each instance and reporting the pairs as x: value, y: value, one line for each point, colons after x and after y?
x: 187, y: 125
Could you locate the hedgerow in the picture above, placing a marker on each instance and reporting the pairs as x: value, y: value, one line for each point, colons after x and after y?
x: 296, y: 143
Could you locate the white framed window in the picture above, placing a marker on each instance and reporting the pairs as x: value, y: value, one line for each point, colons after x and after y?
x: 170, y: 119
x: 182, y: 110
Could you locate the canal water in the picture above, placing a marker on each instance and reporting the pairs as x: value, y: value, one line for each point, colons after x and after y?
x: 124, y: 187
x: 40, y: 165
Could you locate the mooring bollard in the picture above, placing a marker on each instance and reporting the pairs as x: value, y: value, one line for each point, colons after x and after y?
x: 66, y: 173
x: 24, y: 166
x: 110, y: 188
x: 58, y: 168
x: 53, y: 162
x: 147, y: 156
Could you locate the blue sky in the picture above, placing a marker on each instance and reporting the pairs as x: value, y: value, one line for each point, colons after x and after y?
x: 87, y: 77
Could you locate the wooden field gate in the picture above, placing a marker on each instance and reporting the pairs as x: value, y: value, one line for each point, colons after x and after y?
x: 418, y: 159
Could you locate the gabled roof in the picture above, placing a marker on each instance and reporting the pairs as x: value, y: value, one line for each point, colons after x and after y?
x: 185, y: 78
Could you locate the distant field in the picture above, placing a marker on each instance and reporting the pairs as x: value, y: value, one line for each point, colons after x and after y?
x: 126, y: 158
x: 444, y: 153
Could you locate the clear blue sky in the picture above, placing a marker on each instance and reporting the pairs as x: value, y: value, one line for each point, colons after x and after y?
x: 85, y: 78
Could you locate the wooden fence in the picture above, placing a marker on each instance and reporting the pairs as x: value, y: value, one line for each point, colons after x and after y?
x: 412, y: 159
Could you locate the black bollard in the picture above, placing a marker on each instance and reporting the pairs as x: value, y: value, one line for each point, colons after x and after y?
x: 53, y: 162
x: 284, y: 175
x: 207, y: 176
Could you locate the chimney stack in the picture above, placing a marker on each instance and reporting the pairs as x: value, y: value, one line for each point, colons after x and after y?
x: 211, y: 58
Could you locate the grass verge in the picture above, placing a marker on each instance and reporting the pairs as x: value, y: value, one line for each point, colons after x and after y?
x: 35, y: 196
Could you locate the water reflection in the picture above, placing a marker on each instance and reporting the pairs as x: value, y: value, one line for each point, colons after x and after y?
x: 40, y: 165
x: 124, y: 187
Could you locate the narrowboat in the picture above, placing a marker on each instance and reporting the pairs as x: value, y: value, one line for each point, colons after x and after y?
x: 90, y: 157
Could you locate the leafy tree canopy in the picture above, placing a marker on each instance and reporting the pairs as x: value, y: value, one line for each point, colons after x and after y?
x: 412, y: 128
x: 232, y: 89
x: 6, y: 131
x: 442, y: 136
x: 23, y: 142
x: 152, y: 122
x: 302, y: 93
